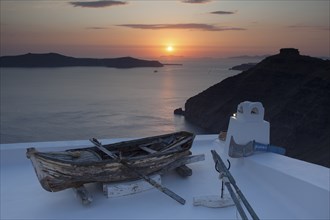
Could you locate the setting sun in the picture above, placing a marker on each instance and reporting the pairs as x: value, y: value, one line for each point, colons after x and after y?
x: 169, y: 48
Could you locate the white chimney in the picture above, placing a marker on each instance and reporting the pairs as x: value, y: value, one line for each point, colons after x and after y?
x: 248, y: 124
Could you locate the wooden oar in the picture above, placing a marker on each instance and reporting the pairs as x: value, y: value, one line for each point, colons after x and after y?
x: 178, y: 143
x: 222, y: 168
x: 141, y: 175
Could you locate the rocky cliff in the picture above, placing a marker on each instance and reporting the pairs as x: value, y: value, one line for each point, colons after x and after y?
x: 294, y: 90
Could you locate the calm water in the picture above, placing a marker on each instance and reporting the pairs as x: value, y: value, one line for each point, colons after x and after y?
x: 77, y: 103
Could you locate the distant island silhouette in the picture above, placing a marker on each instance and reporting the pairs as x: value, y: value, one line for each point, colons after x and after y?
x: 59, y: 60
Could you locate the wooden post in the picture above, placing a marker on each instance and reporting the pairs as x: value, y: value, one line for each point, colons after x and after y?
x: 83, y: 194
x: 184, y: 171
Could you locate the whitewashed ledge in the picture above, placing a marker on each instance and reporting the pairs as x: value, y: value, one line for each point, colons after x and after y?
x: 276, y: 186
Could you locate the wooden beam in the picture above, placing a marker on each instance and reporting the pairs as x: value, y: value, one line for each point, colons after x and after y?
x: 116, y: 189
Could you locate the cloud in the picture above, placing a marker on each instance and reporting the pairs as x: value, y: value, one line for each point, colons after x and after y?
x: 97, y: 4
x: 298, y: 26
x: 96, y: 28
x: 195, y: 1
x: 320, y: 28
x: 222, y: 12
x: 189, y: 26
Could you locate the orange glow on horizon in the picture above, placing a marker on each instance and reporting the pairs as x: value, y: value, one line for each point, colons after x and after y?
x: 37, y: 27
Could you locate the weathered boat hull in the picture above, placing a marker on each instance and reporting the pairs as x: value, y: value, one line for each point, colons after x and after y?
x: 57, y: 171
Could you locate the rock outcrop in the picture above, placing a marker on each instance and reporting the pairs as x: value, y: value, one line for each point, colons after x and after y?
x: 179, y: 111
x: 294, y: 90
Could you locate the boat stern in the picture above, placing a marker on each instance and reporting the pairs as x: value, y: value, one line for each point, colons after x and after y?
x: 42, y: 177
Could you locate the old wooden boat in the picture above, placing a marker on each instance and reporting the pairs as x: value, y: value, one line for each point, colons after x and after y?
x: 72, y: 168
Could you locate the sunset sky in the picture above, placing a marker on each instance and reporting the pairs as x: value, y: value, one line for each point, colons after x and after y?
x: 150, y: 29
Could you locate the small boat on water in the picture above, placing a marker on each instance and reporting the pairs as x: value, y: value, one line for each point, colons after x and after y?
x: 72, y: 168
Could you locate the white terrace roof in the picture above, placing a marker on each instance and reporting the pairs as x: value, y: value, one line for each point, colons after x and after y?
x: 277, y: 187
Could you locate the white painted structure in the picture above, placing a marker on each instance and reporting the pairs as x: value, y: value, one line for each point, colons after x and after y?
x: 248, y: 124
x: 276, y: 186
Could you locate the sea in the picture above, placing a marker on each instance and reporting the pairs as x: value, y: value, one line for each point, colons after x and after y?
x: 78, y: 103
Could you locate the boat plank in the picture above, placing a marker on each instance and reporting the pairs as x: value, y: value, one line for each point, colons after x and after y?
x: 147, y: 149
x: 182, y: 161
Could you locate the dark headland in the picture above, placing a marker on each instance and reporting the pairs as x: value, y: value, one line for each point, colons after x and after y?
x: 58, y: 60
x: 243, y: 67
x: 294, y: 90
